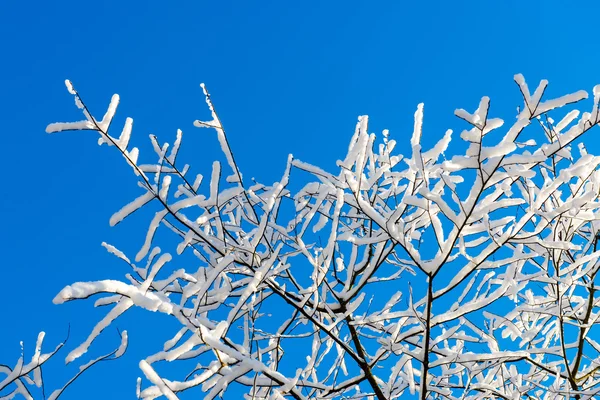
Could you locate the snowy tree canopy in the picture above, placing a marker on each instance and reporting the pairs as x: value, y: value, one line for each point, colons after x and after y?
x: 463, y: 271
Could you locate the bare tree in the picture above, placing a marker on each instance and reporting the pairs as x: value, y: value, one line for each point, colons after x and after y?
x: 466, y: 277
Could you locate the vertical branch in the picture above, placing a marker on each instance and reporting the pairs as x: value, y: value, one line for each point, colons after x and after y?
x: 363, y: 363
x: 426, y: 338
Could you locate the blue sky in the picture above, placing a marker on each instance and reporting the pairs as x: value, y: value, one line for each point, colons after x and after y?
x: 286, y: 77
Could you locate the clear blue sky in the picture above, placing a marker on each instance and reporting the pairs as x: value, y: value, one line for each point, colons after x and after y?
x: 285, y: 77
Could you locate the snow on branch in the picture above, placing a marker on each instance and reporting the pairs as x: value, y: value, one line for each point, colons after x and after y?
x: 27, y: 379
x: 466, y: 270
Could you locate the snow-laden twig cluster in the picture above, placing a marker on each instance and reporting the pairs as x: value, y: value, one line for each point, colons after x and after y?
x: 462, y: 277
x: 22, y: 378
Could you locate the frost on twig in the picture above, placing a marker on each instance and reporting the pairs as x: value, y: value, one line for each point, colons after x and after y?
x: 27, y: 380
x: 468, y: 275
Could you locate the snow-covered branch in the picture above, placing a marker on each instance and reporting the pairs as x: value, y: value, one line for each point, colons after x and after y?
x: 463, y: 271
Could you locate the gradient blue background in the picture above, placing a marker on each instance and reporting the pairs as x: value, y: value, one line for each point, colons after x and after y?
x: 285, y: 77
